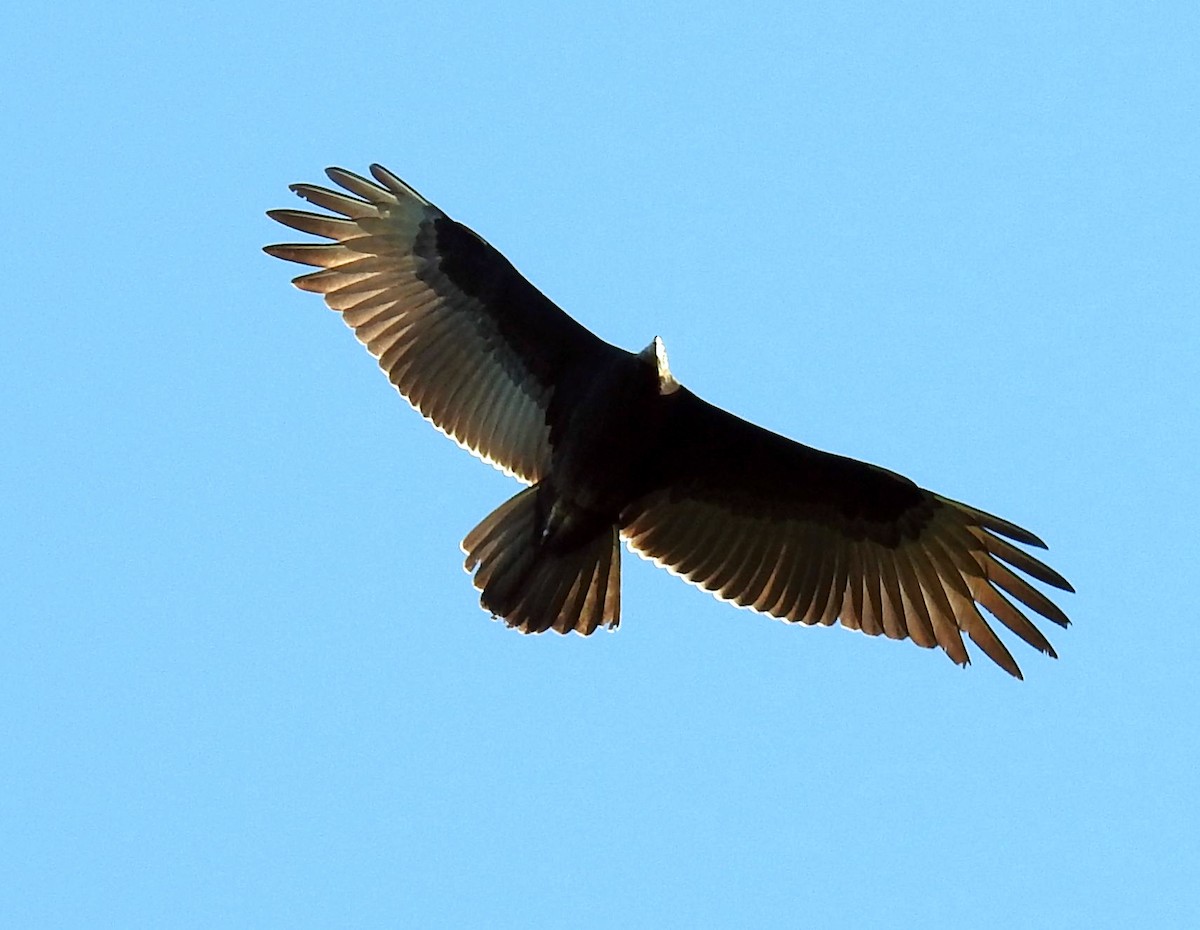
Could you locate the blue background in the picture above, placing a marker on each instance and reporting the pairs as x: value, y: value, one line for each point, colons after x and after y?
x: 243, y: 678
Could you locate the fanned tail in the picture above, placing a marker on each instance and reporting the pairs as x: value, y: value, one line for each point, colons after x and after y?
x: 535, y: 588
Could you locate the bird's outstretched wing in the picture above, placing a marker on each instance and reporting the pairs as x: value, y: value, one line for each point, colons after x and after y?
x: 811, y: 537
x: 462, y: 335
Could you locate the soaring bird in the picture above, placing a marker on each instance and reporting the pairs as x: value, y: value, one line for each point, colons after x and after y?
x: 611, y: 445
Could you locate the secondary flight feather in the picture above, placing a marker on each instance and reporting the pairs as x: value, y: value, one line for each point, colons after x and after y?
x: 612, y: 446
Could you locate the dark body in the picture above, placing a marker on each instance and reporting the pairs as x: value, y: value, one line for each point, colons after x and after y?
x: 614, y: 447
x: 606, y: 435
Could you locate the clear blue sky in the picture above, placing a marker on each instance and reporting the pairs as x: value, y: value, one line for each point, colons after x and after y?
x: 244, y: 680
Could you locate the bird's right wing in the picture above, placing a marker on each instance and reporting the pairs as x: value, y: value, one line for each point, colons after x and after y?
x: 816, y: 538
x: 462, y: 335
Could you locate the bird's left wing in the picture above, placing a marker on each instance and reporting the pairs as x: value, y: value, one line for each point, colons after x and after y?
x: 812, y: 537
x: 462, y: 335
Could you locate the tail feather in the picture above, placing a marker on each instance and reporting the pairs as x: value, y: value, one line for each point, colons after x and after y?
x: 534, y: 588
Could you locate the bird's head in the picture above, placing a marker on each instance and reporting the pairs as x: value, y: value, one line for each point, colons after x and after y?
x: 655, y: 354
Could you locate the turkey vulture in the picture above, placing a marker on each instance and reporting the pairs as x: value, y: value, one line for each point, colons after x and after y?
x: 612, y: 446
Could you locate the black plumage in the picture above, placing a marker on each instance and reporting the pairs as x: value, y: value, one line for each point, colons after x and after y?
x: 613, y: 446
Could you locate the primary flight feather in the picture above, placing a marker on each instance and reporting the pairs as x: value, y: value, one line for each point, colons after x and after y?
x: 613, y: 446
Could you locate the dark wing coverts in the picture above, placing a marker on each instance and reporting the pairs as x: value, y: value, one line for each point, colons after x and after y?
x: 811, y: 537
x: 461, y: 334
